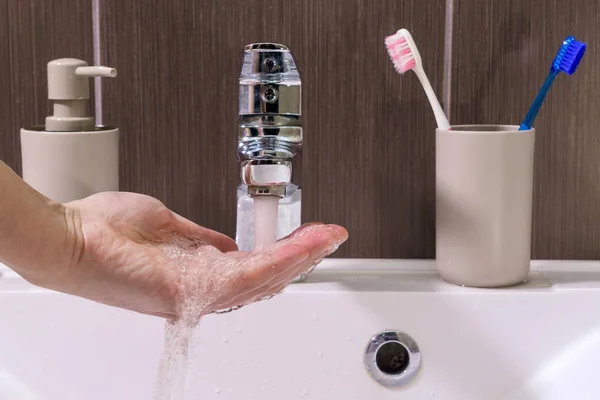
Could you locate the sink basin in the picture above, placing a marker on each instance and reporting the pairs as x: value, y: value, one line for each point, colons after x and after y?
x: 540, y: 340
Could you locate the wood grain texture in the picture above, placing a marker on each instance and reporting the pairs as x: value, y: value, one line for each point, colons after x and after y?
x: 368, y: 160
x: 31, y: 34
x: 502, y: 51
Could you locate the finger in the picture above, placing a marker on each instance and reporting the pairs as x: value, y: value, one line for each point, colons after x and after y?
x: 251, y: 280
x: 237, y: 254
x: 188, y: 228
x: 319, y: 238
x: 315, y: 240
x: 283, y: 277
x: 241, y: 254
x: 278, y: 283
x: 283, y: 261
x: 275, y: 285
x: 260, y: 270
x: 300, y: 229
x: 161, y: 315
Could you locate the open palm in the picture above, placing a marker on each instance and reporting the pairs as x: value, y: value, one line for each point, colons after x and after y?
x: 133, y: 252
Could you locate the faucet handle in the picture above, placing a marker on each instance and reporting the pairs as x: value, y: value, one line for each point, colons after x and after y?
x: 269, y: 81
x: 269, y: 62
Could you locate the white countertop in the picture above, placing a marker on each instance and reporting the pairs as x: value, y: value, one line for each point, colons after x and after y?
x: 389, y: 275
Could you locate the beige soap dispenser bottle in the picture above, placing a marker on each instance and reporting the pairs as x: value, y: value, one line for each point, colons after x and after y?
x: 70, y: 158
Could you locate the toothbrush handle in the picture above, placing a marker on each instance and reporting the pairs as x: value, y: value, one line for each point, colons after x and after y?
x: 440, y: 117
x: 537, y: 103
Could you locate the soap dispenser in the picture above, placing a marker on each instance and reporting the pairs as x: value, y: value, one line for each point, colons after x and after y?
x: 69, y: 157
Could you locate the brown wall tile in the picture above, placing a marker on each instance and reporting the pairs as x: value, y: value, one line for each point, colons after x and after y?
x: 33, y: 33
x: 502, y: 51
x: 369, y: 151
x: 369, y: 158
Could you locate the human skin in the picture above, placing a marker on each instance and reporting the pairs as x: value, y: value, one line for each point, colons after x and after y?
x: 130, y: 251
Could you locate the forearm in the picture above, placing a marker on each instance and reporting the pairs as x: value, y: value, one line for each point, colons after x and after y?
x: 34, y: 231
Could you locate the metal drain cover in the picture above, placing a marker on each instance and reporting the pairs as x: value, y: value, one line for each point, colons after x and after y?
x: 392, y: 358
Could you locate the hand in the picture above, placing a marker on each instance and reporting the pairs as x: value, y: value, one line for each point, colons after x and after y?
x: 130, y: 251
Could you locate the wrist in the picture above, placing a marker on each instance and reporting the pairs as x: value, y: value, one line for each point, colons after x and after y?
x: 39, y: 238
x: 55, y: 246
x: 67, y: 247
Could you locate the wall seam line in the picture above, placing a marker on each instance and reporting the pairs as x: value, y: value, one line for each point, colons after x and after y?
x: 97, y: 59
x: 447, y: 81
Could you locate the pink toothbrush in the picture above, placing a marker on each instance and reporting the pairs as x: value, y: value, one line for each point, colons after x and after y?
x: 405, y: 56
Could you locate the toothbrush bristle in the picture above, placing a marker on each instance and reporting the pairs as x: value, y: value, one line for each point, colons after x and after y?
x: 569, y: 55
x: 400, y: 53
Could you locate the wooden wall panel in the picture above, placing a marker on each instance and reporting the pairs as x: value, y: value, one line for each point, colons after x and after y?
x: 31, y: 34
x: 502, y: 52
x: 368, y: 162
x: 369, y: 153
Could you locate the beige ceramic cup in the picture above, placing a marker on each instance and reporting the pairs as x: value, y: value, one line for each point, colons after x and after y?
x: 484, y: 183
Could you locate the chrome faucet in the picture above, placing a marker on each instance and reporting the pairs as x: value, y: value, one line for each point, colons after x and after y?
x: 270, y: 132
x: 269, y: 138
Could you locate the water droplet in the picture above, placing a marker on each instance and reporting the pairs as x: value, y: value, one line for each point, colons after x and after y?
x: 350, y: 338
x: 217, y: 391
x: 238, y: 330
x: 225, y: 340
x: 432, y: 393
x: 268, y: 297
x: 337, y: 367
x: 319, y: 354
x: 265, y: 381
x: 243, y: 362
x: 226, y: 324
x: 315, y: 317
x: 304, y: 392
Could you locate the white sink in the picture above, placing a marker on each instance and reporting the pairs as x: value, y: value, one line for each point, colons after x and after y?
x: 537, y: 341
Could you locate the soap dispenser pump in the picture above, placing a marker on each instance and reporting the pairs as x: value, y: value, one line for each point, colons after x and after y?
x: 69, y: 157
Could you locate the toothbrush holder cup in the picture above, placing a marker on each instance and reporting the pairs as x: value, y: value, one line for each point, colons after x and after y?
x: 484, y: 185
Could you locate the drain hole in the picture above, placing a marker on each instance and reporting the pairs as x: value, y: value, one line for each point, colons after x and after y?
x: 392, y: 358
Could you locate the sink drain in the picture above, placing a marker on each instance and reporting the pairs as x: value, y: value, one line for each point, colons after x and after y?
x: 392, y: 358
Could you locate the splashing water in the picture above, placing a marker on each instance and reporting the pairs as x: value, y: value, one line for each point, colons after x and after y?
x: 204, y: 278
x: 173, y: 370
x: 202, y: 274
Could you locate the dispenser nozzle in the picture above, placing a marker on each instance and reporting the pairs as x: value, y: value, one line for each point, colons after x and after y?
x: 96, y: 71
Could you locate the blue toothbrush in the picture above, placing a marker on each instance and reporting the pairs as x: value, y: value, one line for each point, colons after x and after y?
x: 566, y: 60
